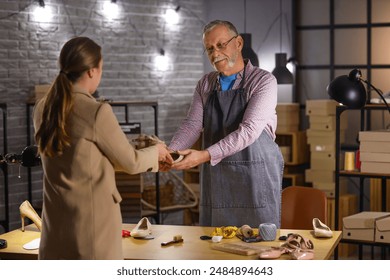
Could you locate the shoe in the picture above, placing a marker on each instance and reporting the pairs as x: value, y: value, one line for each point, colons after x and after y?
x: 273, y: 253
x: 320, y: 229
x: 26, y: 210
x: 296, y: 241
x: 299, y: 254
x: 142, y: 230
x: 176, y: 157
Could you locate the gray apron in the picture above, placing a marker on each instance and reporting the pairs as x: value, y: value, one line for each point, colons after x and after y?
x: 244, y: 188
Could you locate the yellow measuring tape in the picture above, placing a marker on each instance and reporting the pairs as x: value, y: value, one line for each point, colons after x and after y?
x: 226, y: 232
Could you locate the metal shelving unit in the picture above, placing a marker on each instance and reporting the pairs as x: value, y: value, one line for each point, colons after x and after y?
x: 5, y: 222
x: 360, y: 175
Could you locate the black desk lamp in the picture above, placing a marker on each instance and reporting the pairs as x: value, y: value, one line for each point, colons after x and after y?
x: 350, y: 91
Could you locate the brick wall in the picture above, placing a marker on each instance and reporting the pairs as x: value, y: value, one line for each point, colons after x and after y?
x: 29, y: 51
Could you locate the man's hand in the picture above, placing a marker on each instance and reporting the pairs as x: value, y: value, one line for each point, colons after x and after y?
x: 192, y: 158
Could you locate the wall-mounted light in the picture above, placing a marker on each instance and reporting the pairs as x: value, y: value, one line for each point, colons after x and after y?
x: 172, y: 15
x: 42, y: 13
x: 111, y: 9
x: 161, y: 61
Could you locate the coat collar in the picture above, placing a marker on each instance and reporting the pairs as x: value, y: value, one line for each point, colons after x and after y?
x: 80, y: 90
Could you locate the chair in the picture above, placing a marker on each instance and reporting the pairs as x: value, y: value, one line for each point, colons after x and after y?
x: 300, y: 205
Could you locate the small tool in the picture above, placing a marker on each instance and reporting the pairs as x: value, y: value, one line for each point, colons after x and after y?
x: 3, y: 243
x: 206, y: 237
x: 176, y: 239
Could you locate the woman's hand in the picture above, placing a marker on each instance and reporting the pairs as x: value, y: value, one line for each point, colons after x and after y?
x: 164, y: 158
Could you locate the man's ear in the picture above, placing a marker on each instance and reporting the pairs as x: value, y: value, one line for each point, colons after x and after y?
x: 240, y: 42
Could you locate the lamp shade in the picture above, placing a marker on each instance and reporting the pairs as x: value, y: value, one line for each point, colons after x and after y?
x: 247, y: 51
x: 348, y: 90
x: 281, y: 73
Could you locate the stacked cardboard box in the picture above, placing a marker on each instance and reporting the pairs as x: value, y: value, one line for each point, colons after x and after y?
x: 321, y: 137
x: 292, y: 143
x: 288, y: 117
x: 375, y: 151
x: 288, y: 121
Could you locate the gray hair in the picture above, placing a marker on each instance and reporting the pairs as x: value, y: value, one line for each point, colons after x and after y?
x: 217, y: 22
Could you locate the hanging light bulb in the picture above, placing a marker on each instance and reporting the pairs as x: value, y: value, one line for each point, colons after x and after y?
x: 161, y: 61
x: 111, y: 9
x: 172, y: 16
x: 42, y: 13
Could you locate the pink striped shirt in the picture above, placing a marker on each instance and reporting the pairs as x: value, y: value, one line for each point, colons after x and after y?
x: 261, y: 88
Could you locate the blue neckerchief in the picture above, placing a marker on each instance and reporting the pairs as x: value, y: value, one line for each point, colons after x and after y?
x: 227, y: 81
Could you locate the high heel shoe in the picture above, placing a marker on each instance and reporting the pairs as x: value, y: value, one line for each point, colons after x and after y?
x: 26, y: 210
x: 142, y: 230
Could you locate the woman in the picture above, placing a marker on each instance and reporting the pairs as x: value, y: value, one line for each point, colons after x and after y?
x: 81, y: 145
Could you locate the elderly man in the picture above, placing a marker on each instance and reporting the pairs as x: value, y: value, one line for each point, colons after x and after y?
x: 234, y: 106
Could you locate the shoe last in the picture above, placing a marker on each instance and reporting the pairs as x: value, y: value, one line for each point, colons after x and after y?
x: 143, y: 229
x: 320, y: 229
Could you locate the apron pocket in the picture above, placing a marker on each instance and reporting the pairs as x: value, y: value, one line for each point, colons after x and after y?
x: 238, y: 184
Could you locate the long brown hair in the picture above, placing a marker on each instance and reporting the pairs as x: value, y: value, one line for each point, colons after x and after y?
x: 77, y: 56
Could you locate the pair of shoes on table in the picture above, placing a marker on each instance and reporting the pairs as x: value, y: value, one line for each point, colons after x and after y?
x: 298, y: 247
x: 26, y: 210
x: 143, y: 230
x: 320, y: 229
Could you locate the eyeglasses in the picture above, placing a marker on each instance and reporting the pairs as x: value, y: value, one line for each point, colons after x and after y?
x: 219, y: 47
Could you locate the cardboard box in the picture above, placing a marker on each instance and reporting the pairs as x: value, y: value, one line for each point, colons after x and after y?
x: 375, y: 135
x: 361, y: 226
x: 328, y: 148
x: 330, y: 188
x: 375, y: 167
x: 318, y: 137
x: 322, y: 161
x: 286, y: 153
x: 325, y: 176
x: 321, y: 107
x: 288, y: 115
x: 326, y: 123
x: 375, y: 157
x: 382, y: 230
x: 376, y: 193
x: 287, y: 128
x: 374, y: 147
x: 287, y: 107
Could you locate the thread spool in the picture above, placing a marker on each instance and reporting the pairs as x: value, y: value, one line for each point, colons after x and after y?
x: 267, y: 231
x: 349, y: 161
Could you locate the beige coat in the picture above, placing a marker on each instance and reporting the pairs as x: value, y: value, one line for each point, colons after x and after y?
x: 81, y: 218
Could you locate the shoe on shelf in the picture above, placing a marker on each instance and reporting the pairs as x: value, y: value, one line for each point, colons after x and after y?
x: 320, y: 229
x: 142, y: 230
x: 27, y: 211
